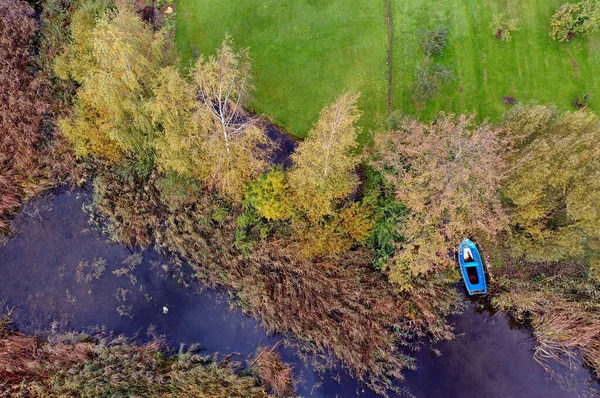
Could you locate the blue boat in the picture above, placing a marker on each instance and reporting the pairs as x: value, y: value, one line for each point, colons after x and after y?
x: 471, y: 268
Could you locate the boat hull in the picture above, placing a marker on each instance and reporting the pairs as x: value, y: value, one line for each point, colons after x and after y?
x: 471, y: 268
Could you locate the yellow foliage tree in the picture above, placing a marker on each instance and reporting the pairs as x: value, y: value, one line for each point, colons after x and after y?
x: 553, y: 184
x: 204, y: 131
x: 237, y: 149
x: 110, y: 117
x: 179, y: 142
x: 324, y: 162
x: 77, y: 60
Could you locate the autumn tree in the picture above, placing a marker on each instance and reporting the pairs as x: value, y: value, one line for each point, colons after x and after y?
x: 553, y: 184
x: 324, y: 163
x: 447, y: 173
x: 180, y: 134
x: 205, y: 133
x: 573, y: 19
x: 110, y: 119
x: 77, y: 58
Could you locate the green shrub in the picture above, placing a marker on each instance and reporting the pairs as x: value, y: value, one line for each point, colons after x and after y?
x: 573, y: 19
x: 251, y: 228
x: 389, y: 214
x: 502, y: 26
x: 583, y: 100
x: 429, y: 78
x: 435, y: 41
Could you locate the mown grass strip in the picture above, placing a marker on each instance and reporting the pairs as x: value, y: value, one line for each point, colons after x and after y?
x: 390, y: 65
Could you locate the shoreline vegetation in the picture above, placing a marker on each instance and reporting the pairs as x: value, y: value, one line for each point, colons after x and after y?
x: 78, y: 364
x: 347, y: 249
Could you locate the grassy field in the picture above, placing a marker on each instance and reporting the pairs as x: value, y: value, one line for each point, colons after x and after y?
x: 306, y: 52
x: 530, y: 67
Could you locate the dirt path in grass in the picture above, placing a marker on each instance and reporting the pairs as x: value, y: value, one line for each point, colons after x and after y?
x: 388, y: 22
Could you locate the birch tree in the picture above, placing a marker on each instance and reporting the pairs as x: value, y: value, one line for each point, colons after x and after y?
x: 204, y: 131
x: 325, y: 161
x: 224, y: 83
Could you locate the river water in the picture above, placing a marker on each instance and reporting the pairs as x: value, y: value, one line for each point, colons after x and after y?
x: 39, y: 278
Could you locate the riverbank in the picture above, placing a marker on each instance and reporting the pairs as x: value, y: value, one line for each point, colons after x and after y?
x: 40, y: 267
x: 77, y: 364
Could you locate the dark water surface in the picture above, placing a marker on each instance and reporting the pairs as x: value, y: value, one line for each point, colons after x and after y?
x: 38, y: 277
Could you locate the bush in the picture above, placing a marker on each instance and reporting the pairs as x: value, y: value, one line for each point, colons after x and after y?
x: 435, y: 42
x: 509, y: 100
x: 270, y: 195
x: 502, y: 26
x: 583, y: 100
x: 335, y: 234
x: 573, y: 19
x: 429, y: 78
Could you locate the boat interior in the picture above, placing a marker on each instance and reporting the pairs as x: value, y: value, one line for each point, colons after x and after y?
x: 472, y: 274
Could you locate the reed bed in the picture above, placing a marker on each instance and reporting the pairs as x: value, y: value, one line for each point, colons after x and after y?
x: 83, y: 366
x: 564, y: 313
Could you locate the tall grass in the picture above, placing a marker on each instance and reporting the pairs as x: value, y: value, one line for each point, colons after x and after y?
x: 564, y: 312
x: 272, y: 372
x: 32, y: 158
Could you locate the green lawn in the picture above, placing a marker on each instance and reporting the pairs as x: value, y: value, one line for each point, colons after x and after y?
x: 306, y: 52
x: 531, y: 67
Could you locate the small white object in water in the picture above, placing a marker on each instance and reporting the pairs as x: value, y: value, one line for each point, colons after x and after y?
x: 165, y: 310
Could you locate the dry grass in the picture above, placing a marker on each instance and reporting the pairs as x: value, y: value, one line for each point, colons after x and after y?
x: 113, y: 367
x: 25, y: 362
x: 21, y: 109
x: 338, y: 309
x: 564, y: 313
x: 272, y: 372
x: 337, y: 306
x: 130, y: 208
x: 32, y: 159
